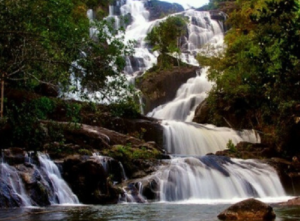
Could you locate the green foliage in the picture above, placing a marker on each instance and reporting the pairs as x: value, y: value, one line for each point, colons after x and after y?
x: 258, y: 73
x: 128, y: 153
x: 165, y: 37
x: 125, y: 108
x: 85, y: 152
x: 73, y: 112
x: 42, y: 107
x: 27, y: 131
x: 231, y: 147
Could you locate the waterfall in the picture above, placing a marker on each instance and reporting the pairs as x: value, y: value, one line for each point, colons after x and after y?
x: 13, y: 186
x: 143, y: 58
x: 217, y: 178
x: 62, y: 192
x: 111, y: 167
x: 196, y: 139
x: 190, y: 175
x: 188, y: 97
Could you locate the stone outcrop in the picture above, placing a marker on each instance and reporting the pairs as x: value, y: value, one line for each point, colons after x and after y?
x: 250, y: 209
x: 226, y: 118
x: 91, y: 181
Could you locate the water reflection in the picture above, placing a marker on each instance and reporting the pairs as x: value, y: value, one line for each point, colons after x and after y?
x: 132, y: 212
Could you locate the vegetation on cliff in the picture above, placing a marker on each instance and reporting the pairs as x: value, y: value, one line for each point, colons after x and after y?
x: 46, y: 46
x: 165, y: 38
x: 257, y: 75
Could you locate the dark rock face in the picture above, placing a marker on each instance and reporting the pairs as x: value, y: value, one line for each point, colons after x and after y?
x: 289, y: 174
x: 247, y: 150
x: 145, y: 129
x: 250, y: 209
x: 159, y: 9
x: 161, y: 86
x: 37, y: 187
x: 89, y: 181
x: 202, y: 113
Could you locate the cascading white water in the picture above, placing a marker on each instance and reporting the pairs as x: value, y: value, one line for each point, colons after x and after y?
x: 106, y: 161
x: 196, y: 139
x: 63, y: 193
x: 202, y: 177
x: 188, y: 97
x: 137, y: 30
x: 217, y: 178
x: 15, y: 189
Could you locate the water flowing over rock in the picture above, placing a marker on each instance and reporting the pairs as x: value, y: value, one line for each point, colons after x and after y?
x: 33, y: 182
x: 196, y: 139
x: 12, y: 190
x: 212, y: 178
x: 188, y: 96
x: 190, y: 175
x: 61, y: 191
x: 200, y: 30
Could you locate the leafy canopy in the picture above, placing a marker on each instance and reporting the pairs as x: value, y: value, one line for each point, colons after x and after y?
x: 165, y: 37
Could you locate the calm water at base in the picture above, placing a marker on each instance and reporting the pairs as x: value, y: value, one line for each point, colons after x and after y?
x: 126, y: 212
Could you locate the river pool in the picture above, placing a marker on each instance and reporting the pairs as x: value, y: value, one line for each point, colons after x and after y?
x: 140, y: 212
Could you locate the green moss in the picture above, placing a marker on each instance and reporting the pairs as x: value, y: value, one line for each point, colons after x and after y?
x: 128, y: 153
x: 85, y: 152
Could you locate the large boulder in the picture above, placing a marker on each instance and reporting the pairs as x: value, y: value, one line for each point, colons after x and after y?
x: 90, y: 181
x: 250, y: 209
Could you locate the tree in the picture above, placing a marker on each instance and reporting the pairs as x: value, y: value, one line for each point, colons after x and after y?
x: 165, y: 38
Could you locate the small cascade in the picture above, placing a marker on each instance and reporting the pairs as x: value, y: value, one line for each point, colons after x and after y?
x: 196, y: 139
x: 202, y: 30
x: 114, y: 18
x: 217, y: 178
x: 62, y: 193
x: 188, y: 97
x: 13, y: 186
x: 143, y: 58
x: 111, y: 166
x: 132, y: 193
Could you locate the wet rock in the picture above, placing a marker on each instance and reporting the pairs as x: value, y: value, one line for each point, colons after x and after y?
x: 37, y: 187
x: 250, y: 209
x: 132, y: 194
x: 14, y: 156
x: 147, y: 129
x: 289, y: 174
x: 7, y: 197
x: 246, y: 150
x: 89, y: 181
x: 151, y: 189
